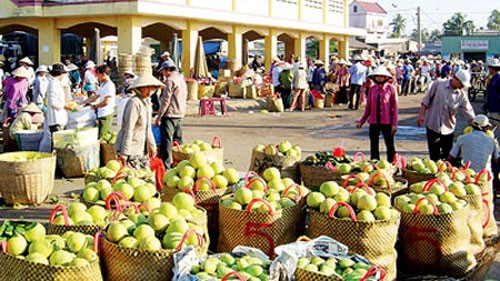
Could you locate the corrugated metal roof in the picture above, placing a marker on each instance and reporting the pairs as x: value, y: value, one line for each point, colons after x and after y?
x: 371, y: 7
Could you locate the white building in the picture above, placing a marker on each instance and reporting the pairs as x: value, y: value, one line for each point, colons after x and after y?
x: 370, y: 16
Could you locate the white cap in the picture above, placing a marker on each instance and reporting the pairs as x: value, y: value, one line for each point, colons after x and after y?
x: 481, y: 121
x: 89, y: 64
x: 494, y: 63
x: 165, y: 54
x: 464, y: 77
x: 42, y: 68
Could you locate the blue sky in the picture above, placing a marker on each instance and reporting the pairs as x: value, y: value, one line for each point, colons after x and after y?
x: 435, y: 12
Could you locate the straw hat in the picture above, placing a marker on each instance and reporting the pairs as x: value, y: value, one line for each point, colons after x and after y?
x: 42, y: 68
x: 342, y: 61
x: 32, y: 108
x: 381, y: 71
x: 89, y: 64
x: 26, y: 60
x: 146, y: 79
x: 494, y: 63
x: 481, y: 121
x: 20, y: 72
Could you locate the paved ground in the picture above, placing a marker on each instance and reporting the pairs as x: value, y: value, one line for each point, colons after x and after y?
x: 311, y: 130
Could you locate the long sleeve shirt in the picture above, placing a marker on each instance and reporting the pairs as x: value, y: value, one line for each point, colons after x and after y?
x: 494, y: 94
x: 40, y: 89
x: 286, y: 78
x: 381, y: 106
x: 173, y: 98
x: 443, y: 104
x: 358, y: 74
x: 15, y: 92
x: 56, y: 114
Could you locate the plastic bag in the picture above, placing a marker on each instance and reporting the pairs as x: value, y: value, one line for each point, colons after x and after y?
x: 159, y: 169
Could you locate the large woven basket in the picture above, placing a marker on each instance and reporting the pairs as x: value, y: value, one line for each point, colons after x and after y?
x: 314, y: 176
x: 289, y: 166
x: 263, y: 231
x: 475, y: 225
x: 436, y: 244
x: 77, y: 161
x: 374, y: 240
x: 26, y: 182
x: 14, y: 269
x: 490, y: 228
x: 214, y: 155
x: 108, y: 153
x: 58, y: 229
x: 192, y: 86
x: 414, y: 176
x: 123, y: 263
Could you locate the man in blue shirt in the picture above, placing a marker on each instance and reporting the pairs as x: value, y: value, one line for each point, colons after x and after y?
x: 358, y: 77
x: 494, y: 94
x: 445, y: 70
x: 407, y: 74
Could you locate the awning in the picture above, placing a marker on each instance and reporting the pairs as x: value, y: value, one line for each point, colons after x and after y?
x: 358, y: 45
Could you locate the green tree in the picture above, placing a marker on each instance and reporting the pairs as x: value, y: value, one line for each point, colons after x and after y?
x: 312, y: 48
x: 398, y: 24
x: 494, y: 20
x: 435, y: 35
x: 425, y: 35
x: 458, y: 25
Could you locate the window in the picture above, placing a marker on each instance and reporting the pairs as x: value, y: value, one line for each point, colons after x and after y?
x: 355, y: 9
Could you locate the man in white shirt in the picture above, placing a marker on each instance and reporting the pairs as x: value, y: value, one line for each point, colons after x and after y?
x: 57, y: 117
x: 104, y: 100
x: 40, y: 86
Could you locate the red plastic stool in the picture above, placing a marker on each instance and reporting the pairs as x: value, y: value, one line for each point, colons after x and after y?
x: 207, y: 106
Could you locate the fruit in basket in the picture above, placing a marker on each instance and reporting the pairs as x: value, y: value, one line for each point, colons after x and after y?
x: 34, y: 232
x: 183, y: 200
x: 113, y: 165
x: 82, y: 218
x: 243, y: 196
x: 76, y: 207
x: 284, y: 146
x: 472, y: 189
x: 250, y: 268
x: 90, y: 194
x: 75, y: 242
x: 198, y: 160
x: 116, y: 231
x: 259, y: 148
x: 231, y: 175
x: 38, y: 258
x: 271, y: 150
x: 343, y: 168
x: 329, y: 188
x: 61, y: 257
x: 17, y: 245
x: 314, y: 199
x: 271, y: 174
x: 42, y: 247
x: 205, y: 171
x: 220, y: 182
x: 217, y: 167
x: 367, y: 203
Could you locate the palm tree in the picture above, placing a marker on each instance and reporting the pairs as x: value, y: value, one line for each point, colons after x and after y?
x: 494, y: 20
x: 398, y: 25
x: 435, y: 35
x: 457, y: 24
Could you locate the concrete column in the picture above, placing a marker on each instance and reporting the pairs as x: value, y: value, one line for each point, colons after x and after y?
x: 300, y: 47
x: 49, y: 42
x: 346, y: 13
x: 129, y: 34
x: 270, y: 3
x: 271, y: 45
x: 325, y: 10
x: 289, y: 48
x: 189, y: 37
x: 344, y: 48
x: 88, y: 44
x: 235, y: 44
x: 324, y: 51
x: 300, y: 4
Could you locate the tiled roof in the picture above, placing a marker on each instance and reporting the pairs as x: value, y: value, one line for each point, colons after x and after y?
x: 371, y: 7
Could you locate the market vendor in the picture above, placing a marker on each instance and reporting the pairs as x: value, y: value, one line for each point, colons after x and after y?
x: 135, y: 138
x: 56, y: 115
x: 29, y: 118
x: 104, y: 100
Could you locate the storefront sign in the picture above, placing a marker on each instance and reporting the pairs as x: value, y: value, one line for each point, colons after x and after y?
x: 475, y: 44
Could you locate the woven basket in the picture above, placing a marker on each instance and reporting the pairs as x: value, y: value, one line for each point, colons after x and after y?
x: 77, y: 161
x: 263, y: 231
x: 436, y: 244
x: 14, y: 269
x: 490, y: 228
x: 26, y: 182
x: 192, y: 86
x: 374, y: 240
x: 58, y: 229
x: 475, y: 226
x: 108, y: 153
x: 214, y: 155
x: 314, y: 176
x: 392, y: 190
x: 414, y: 177
x: 123, y: 263
x: 289, y: 166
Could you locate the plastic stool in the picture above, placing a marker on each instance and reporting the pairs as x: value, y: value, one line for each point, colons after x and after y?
x: 207, y: 106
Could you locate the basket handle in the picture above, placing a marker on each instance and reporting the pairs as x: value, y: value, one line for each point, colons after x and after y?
x: 333, y: 209
x: 445, y: 164
x: 119, y: 175
x: 303, y: 238
x: 203, y: 179
x: 216, y: 142
x: 7, y: 120
x: 4, y: 246
x: 185, y: 237
x: 64, y: 212
x: 358, y: 154
x: 464, y: 172
x: 372, y: 179
x: 175, y: 144
x: 190, y: 192
x: 145, y: 205
x: 435, y: 211
x: 467, y: 165
x: 364, y: 186
x: 488, y: 218
x: 372, y: 271
x: 330, y: 167
x: 488, y: 174
x: 97, y: 242
x: 261, y: 180
x: 290, y: 187
x: 370, y: 165
x: 429, y: 183
x: 247, y: 177
x: 351, y: 176
x: 269, y: 208
x: 115, y: 196
x: 241, y: 278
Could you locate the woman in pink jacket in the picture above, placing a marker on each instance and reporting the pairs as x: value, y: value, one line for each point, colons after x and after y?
x: 381, y: 112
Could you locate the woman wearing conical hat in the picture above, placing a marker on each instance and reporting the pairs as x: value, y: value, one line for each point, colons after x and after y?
x: 15, y: 91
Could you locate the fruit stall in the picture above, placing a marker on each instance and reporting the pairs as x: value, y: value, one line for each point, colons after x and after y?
x: 328, y: 216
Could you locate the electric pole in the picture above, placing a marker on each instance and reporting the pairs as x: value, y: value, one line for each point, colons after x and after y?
x: 419, y: 30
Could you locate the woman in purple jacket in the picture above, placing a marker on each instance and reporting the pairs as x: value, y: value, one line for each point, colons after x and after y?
x: 381, y: 112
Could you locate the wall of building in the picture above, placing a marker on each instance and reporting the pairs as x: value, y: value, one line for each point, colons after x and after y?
x: 452, y: 45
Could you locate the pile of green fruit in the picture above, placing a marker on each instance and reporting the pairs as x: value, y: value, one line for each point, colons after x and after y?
x: 219, y: 266
x: 344, y: 269
x: 134, y: 189
x: 108, y: 137
x: 195, y: 146
x: 164, y: 228
x: 434, y: 197
x: 284, y: 148
x: 78, y: 214
x: 322, y: 157
x: 23, y: 156
x: 114, y: 167
x: 423, y: 166
x: 187, y: 172
x: 469, y: 129
x: 463, y: 174
x: 366, y: 204
x: 30, y: 242
x: 276, y: 193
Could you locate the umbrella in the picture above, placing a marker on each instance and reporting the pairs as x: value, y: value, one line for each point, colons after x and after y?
x: 95, y: 49
x: 175, y: 49
x: 200, y: 62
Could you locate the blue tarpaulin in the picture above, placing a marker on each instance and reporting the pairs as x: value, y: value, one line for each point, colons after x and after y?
x: 210, y: 48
